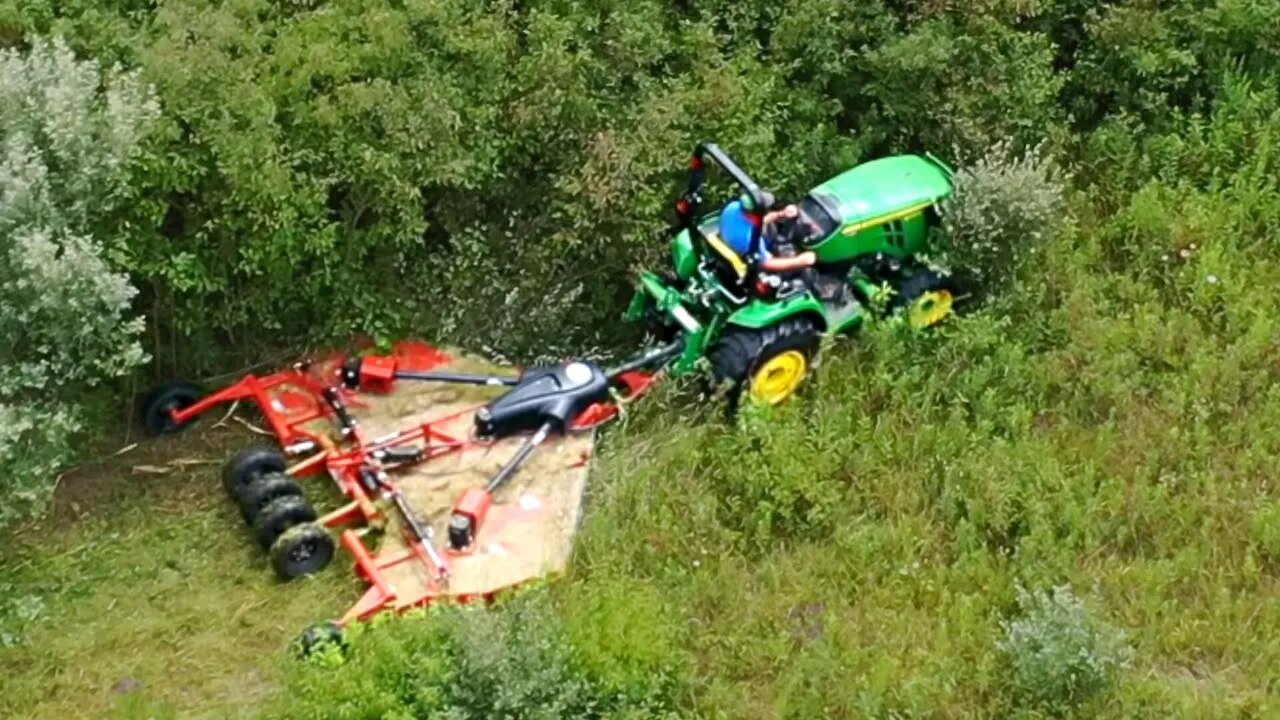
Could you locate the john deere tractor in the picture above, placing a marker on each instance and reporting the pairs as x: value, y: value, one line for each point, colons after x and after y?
x: 867, y: 227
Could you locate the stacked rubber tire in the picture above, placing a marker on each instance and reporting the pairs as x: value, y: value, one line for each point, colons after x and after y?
x: 276, y: 511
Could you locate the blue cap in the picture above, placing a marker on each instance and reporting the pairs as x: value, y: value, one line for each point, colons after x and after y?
x: 736, y: 228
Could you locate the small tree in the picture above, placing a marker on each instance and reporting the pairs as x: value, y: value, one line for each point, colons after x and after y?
x: 68, y: 133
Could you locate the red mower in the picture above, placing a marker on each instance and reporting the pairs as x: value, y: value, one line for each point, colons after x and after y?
x: 417, y: 440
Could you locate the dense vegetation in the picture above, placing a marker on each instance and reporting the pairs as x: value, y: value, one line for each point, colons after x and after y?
x: 1104, y: 423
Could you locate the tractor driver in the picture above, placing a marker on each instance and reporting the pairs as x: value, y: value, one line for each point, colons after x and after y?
x: 738, y: 230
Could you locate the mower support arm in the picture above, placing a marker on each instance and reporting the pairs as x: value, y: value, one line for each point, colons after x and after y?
x: 375, y: 478
x: 530, y: 444
x: 474, y: 504
x: 423, y: 535
x: 334, y: 400
x: 460, y: 378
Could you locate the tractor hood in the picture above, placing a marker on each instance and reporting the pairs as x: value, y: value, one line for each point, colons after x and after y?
x: 884, y: 186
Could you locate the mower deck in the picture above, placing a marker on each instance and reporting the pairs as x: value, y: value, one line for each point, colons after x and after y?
x: 528, y: 531
x: 420, y: 438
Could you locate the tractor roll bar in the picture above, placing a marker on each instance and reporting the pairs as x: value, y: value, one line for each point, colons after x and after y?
x: 688, y: 207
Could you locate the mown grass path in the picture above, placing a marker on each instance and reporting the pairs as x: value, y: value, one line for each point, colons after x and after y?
x: 144, y: 595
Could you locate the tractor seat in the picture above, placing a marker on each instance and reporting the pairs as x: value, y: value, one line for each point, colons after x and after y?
x: 730, y: 268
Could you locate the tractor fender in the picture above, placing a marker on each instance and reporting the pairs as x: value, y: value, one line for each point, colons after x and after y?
x: 760, y: 313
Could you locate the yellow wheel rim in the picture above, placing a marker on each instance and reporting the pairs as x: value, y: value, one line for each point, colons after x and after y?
x: 778, y: 377
x: 930, y: 309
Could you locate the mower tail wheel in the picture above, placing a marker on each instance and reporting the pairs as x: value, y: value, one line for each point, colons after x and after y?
x: 278, y: 516
x: 302, y: 550
x: 249, y: 465
x: 769, y: 363
x: 320, y: 636
x: 156, y: 405
x: 265, y: 488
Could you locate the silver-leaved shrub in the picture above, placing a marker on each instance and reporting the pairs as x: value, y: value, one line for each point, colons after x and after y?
x: 1060, y: 655
x: 68, y: 133
x: 1005, y: 206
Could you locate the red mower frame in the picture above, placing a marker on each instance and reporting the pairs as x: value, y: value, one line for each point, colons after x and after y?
x: 293, y: 402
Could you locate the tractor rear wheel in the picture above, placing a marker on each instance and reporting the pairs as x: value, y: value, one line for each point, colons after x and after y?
x: 768, y: 364
x: 925, y: 298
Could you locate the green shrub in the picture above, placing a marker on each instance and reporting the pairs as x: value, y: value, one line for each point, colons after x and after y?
x: 513, y: 660
x: 1060, y: 655
x: 65, y: 313
x: 1005, y: 208
x: 961, y: 80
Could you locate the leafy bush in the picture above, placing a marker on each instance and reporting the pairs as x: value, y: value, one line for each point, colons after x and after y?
x: 511, y: 661
x: 1060, y: 655
x: 327, y: 169
x: 64, y: 312
x: 1006, y: 206
x: 961, y: 80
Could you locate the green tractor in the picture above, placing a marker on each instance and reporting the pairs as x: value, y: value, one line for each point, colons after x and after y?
x: 760, y: 329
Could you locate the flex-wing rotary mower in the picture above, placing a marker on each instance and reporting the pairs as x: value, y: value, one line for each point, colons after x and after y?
x: 497, y: 460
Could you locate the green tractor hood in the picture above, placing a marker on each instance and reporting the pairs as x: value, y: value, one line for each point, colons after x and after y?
x: 887, y: 186
x: 878, y: 206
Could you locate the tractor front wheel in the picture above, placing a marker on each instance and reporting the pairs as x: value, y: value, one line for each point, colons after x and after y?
x: 768, y: 364
x: 925, y: 298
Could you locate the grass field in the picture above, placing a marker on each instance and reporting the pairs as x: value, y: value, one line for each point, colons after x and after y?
x: 1109, y: 428
x: 855, y: 560
x: 143, y: 595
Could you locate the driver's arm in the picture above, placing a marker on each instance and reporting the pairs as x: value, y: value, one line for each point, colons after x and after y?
x: 783, y: 264
x: 774, y: 263
x: 788, y: 212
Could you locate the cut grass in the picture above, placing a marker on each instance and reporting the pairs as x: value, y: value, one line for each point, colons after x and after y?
x: 154, y: 602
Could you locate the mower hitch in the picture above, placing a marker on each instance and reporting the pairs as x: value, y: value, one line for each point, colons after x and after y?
x: 548, y: 400
x: 558, y: 394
